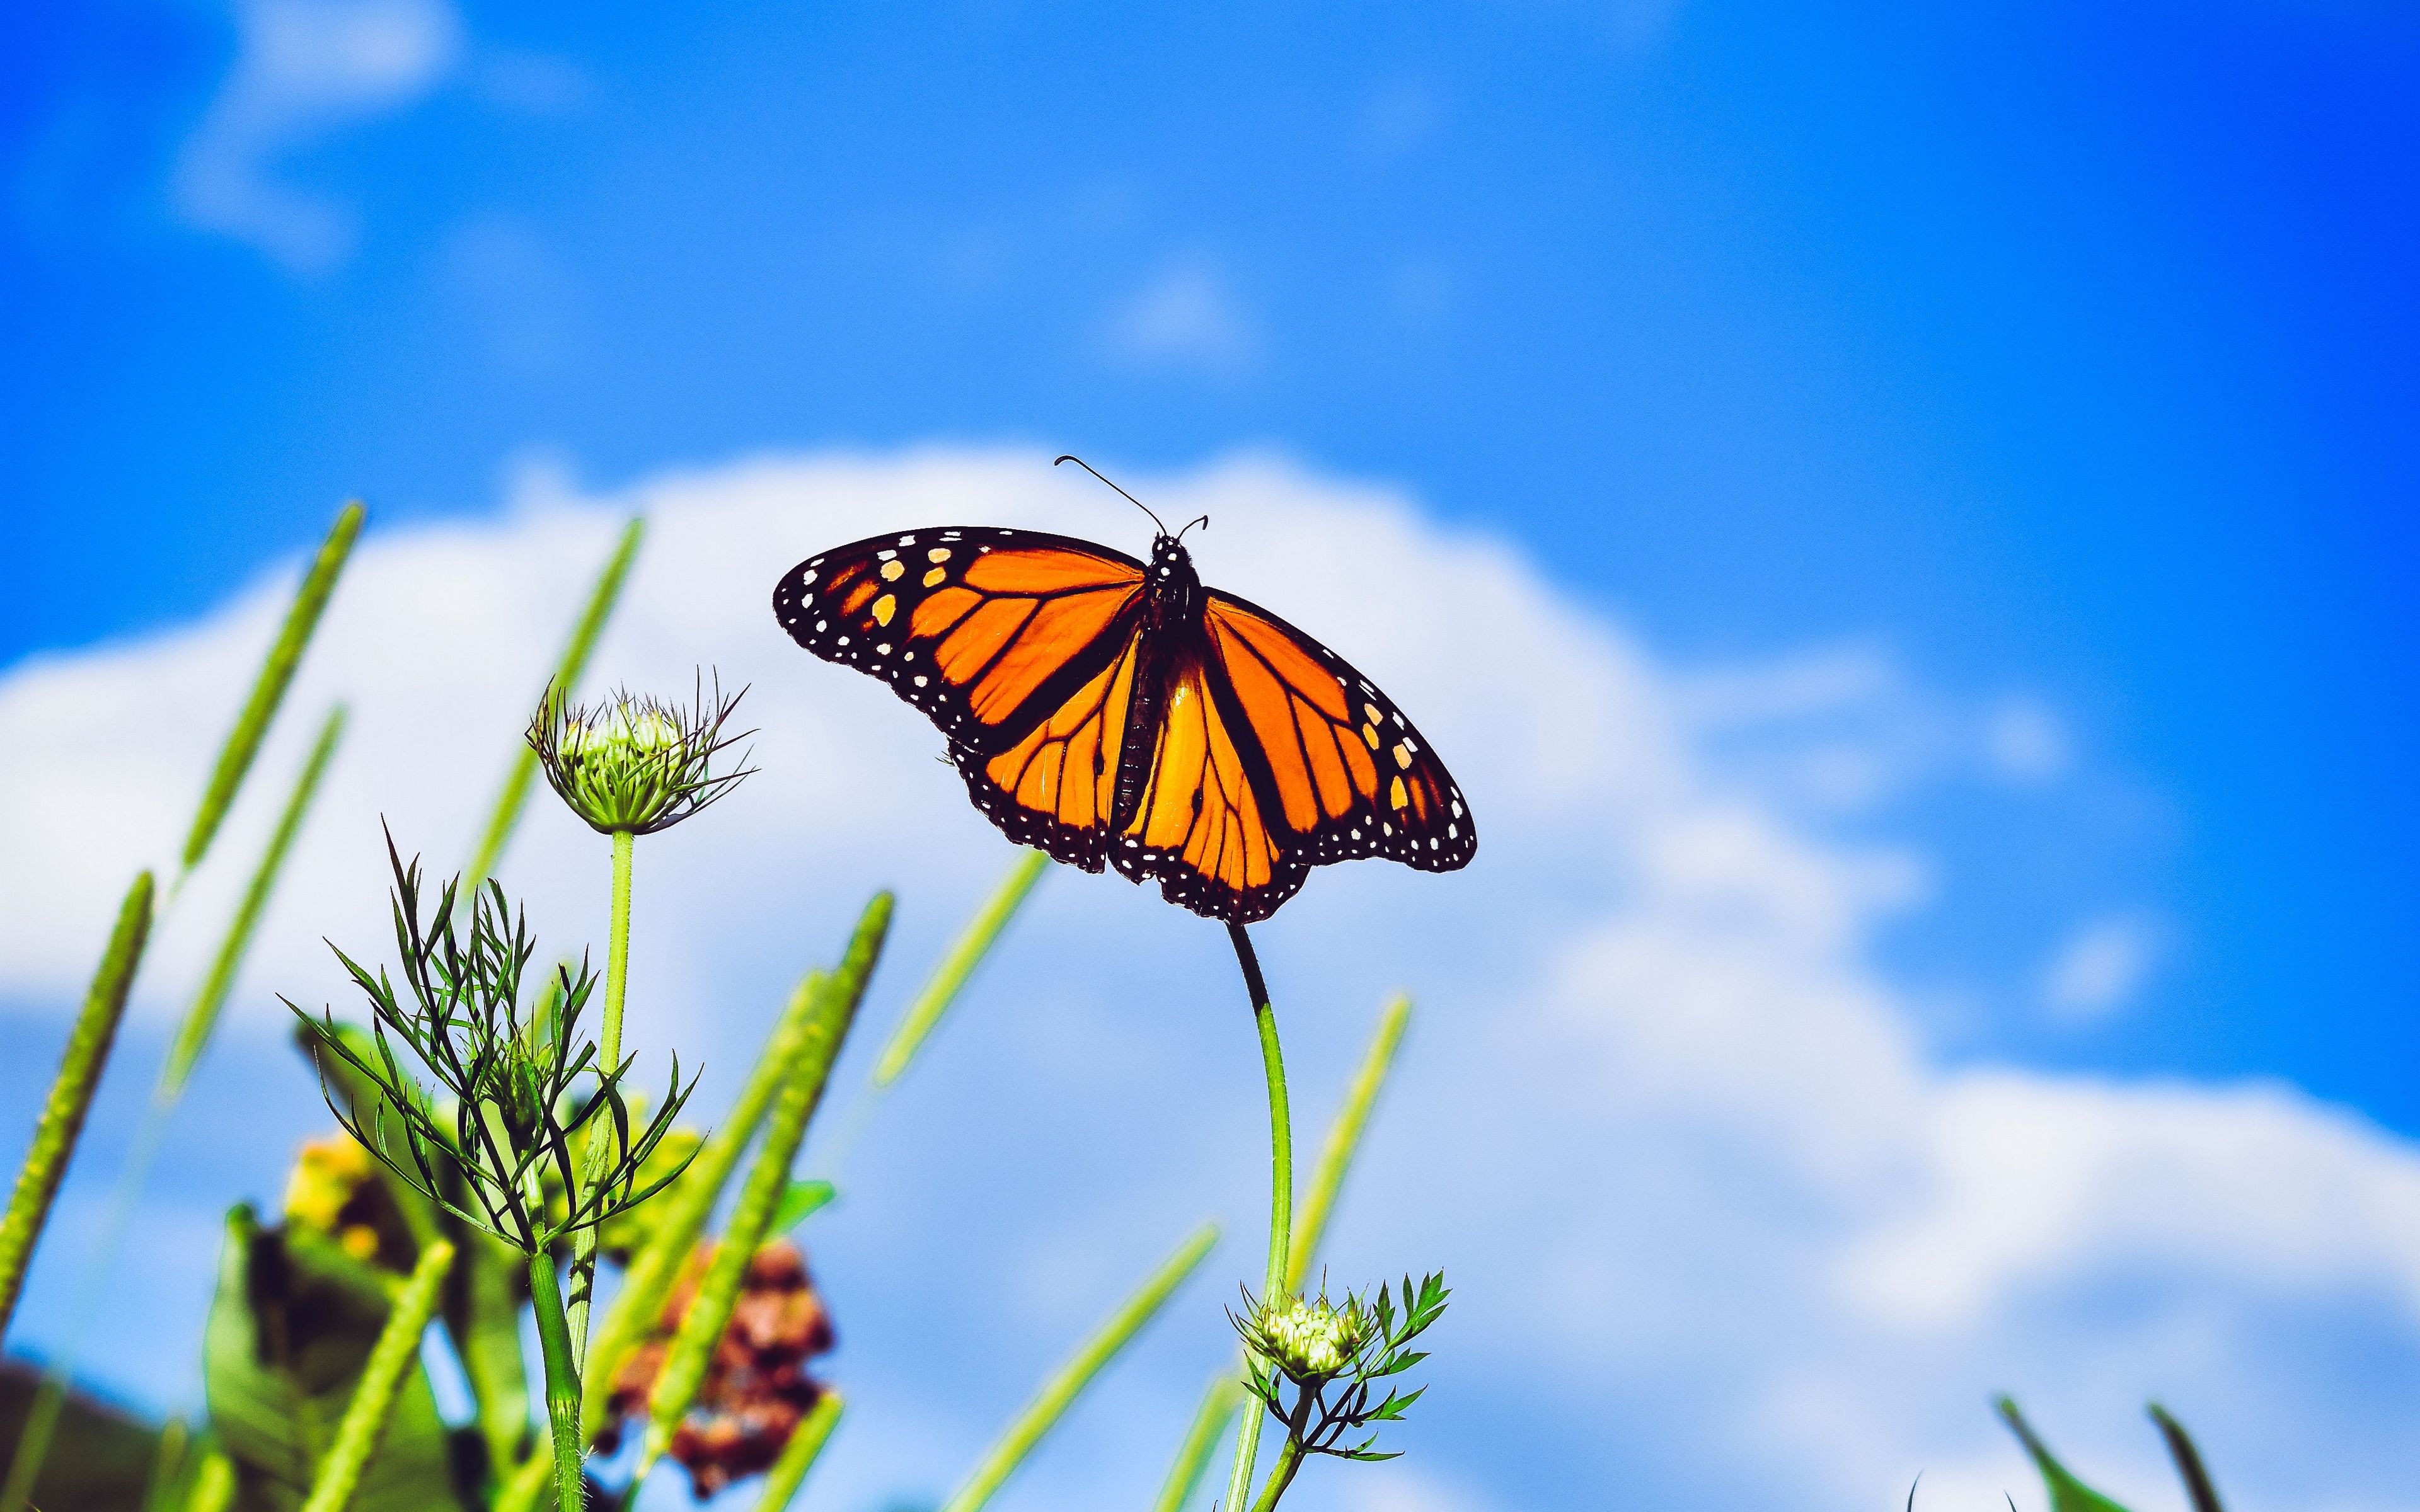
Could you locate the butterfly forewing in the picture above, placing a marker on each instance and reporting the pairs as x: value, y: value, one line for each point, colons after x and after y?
x: 988, y: 631
x: 1347, y: 774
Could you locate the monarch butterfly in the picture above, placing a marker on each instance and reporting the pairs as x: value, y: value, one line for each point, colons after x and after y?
x: 1109, y: 713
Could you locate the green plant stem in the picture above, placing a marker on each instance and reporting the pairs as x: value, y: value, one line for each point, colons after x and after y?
x: 562, y: 1379
x: 966, y: 953
x: 609, y: 1055
x: 1281, y: 1475
x: 709, y: 1312
x: 514, y: 795
x: 1225, y: 1393
x: 1265, y: 1018
x: 800, y: 1454
x: 268, y: 689
x: 1060, y: 1391
x: 685, y: 1207
x: 392, y: 1357
x: 70, y: 1099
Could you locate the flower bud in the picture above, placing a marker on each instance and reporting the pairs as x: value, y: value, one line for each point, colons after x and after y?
x: 634, y: 766
x: 1311, y: 1341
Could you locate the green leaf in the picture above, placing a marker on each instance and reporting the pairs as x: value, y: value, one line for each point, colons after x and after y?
x: 289, y: 1333
x: 798, y: 1200
x: 101, y: 1456
x: 2067, y: 1493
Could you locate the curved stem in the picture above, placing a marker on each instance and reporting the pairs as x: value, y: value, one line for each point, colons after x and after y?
x: 1289, y: 1461
x: 562, y: 1378
x: 609, y: 1059
x: 1265, y: 1018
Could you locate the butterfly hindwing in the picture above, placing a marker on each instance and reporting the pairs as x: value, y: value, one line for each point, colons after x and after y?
x: 989, y: 631
x: 1200, y: 829
x: 1056, y: 788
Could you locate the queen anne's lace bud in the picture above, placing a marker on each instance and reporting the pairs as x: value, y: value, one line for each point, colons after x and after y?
x: 1310, y: 1340
x: 633, y: 765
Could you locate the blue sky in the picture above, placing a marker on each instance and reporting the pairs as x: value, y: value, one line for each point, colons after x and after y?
x: 2060, y: 357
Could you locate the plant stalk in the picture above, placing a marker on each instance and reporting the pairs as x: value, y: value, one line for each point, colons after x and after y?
x: 1281, y: 1474
x: 562, y: 1378
x: 609, y: 1057
x: 1265, y: 1018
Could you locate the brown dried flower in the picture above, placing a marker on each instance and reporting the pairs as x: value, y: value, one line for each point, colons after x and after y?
x: 756, y: 1385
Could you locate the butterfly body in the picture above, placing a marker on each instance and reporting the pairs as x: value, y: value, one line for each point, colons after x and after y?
x: 1116, y: 714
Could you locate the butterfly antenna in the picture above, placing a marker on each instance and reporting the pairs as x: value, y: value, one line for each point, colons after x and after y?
x: 1204, y: 522
x: 1121, y: 493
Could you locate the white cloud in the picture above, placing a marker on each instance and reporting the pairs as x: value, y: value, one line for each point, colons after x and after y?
x: 2100, y: 967
x: 1722, y: 1231
x: 1188, y: 314
x: 303, y: 67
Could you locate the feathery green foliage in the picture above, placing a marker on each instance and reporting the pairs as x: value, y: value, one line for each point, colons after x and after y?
x: 375, y: 1397
x: 268, y: 689
x: 1060, y: 1391
x: 63, y: 1112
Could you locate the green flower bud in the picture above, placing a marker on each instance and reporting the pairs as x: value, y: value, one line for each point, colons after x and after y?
x: 633, y: 765
x: 1311, y: 1341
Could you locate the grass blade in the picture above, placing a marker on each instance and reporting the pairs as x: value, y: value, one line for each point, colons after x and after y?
x: 1225, y: 1393
x: 684, y: 1370
x: 800, y: 1454
x: 1060, y: 1391
x: 2067, y: 1493
x: 62, y: 1119
x: 966, y: 953
x: 1344, y: 1136
x: 2188, y: 1458
x: 398, y: 1351
x: 515, y: 793
x: 193, y: 1035
x: 269, y: 689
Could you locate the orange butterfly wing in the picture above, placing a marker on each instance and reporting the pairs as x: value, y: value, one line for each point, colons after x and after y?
x: 988, y: 631
x: 1346, y: 774
x: 1260, y: 752
x: 1200, y: 827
